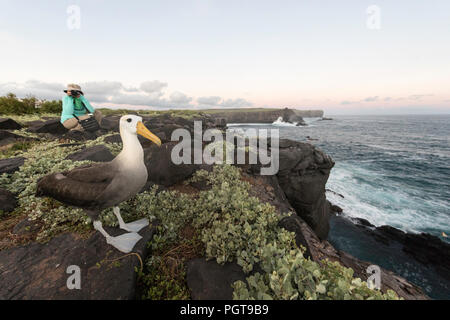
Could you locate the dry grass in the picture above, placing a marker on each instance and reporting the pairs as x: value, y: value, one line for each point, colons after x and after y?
x: 8, y: 239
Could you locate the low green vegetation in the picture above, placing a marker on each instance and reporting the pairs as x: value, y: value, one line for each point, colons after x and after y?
x: 42, y: 159
x: 187, y: 114
x: 16, y: 149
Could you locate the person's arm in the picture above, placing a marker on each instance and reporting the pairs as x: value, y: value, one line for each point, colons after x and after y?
x: 67, y: 106
x: 87, y: 104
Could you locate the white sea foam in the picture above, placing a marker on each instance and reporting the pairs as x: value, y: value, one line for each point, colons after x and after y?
x: 280, y: 123
x: 246, y: 124
x: 311, y: 120
x: 382, y: 204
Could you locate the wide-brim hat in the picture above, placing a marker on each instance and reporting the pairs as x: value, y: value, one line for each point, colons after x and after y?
x: 73, y: 86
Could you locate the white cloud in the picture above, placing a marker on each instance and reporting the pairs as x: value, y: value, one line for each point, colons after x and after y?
x: 108, y: 93
x: 153, y: 86
x: 209, y: 101
x: 235, y: 103
x: 49, y: 91
x: 180, y: 98
x: 102, y: 87
x: 418, y: 97
x: 371, y: 99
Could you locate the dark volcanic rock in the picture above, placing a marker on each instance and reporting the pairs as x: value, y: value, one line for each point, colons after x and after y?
x: 161, y: 125
x: 11, y: 165
x: 25, y: 227
x: 78, y: 135
x: 293, y: 223
x: 422, y: 259
x: 110, y: 123
x: 49, y: 126
x: 38, y: 271
x: 363, y: 222
x: 303, y: 173
x: 7, y: 137
x: 8, y: 201
x: 335, y: 208
x: 208, y: 280
x: 113, y: 139
x: 160, y: 167
x: 98, y: 153
x: 164, y: 125
x: 427, y: 249
x: 33, y: 123
x: 9, y: 124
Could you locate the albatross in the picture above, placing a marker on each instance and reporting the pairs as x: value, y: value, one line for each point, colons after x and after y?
x: 100, y: 186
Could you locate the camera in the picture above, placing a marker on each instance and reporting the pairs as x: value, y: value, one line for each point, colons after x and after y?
x: 75, y: 92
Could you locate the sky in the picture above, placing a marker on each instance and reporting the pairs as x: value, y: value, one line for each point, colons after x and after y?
x: 345, y: 57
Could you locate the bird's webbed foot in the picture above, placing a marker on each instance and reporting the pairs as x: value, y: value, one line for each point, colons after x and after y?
x: 134, y: 226
x: 124, y: 243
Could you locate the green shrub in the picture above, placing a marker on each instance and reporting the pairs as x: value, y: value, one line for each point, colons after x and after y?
x: 10, y: 104
x: 289, y: 276
x: 54, y: 106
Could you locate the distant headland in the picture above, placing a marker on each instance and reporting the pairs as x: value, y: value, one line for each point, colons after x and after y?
x: 263, y: 115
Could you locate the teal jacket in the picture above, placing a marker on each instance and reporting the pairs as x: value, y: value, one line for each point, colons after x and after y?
x: 69, y: 108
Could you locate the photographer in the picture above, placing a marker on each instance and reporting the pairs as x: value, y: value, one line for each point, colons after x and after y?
x: 75, y: 107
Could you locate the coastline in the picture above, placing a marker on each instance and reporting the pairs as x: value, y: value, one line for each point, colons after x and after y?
x: 284, y: 195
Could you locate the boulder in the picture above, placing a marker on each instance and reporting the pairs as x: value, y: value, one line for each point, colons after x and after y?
x: 208, y: 280
x: 39, y: 271
x: 8, y: 201
x: 335, y: 208
x: 302, y: 175
x: 7, y: 137
x: 110, y: 123
x: 49, y: 126
x: 9, y: 124
x: 113, y: 139
x: 80, y: 135
x: 11, y: 165
x: 160, y: 167
x: 98, y: 153
x: 293, y: 223
x: 428, y: 250
x: 292, y: 117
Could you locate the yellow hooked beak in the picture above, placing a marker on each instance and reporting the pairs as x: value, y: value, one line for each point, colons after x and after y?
x: 143, y: 131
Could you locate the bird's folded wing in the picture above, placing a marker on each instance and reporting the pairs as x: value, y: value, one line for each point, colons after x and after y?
x: 103, y: 172
x: 80, y: 187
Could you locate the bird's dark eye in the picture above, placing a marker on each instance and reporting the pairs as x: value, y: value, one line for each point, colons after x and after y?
x: 129, y: 119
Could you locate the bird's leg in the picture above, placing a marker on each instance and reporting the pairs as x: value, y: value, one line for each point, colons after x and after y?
x: 134, y: 226
x: 124, y: 243
x: 98, y: 226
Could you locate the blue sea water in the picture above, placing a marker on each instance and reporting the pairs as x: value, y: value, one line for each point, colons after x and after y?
x: 390, y: 170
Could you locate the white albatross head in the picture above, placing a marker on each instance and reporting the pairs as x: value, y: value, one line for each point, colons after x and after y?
x: 132, y: 125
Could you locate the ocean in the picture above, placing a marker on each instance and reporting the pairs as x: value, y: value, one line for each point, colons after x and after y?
x: 391, y: 170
